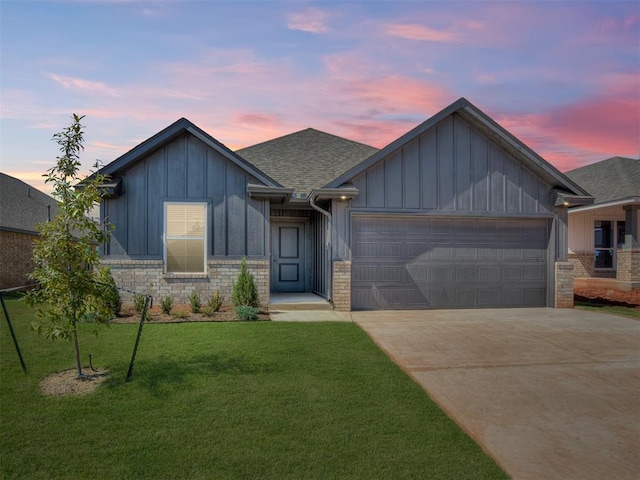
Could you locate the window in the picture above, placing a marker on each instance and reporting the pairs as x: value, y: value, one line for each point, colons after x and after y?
x: 185, y: 228
x: 605, y: 242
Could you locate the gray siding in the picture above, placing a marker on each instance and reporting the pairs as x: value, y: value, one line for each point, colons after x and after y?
x: 184, y: 169
x: 452, y: 168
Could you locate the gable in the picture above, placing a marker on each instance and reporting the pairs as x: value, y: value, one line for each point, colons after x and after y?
x: 185, y: 168
x: 452, y: 167
x: 164, y: 137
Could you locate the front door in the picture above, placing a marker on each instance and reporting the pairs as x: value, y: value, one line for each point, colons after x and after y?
x: 287, y: 257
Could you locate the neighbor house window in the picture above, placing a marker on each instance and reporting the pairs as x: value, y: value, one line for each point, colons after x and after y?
x: 608, y: 235
x: 185, y: 227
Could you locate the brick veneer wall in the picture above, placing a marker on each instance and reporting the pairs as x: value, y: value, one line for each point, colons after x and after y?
x: 342, y: 286
x: 563, y: 285
x: 147, y: 276
x: 628, y: 267
x: 16, y: 262
x: 583, y: 264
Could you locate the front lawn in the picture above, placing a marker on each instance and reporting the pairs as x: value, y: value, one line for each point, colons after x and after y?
x: 629, y: 312
x: 261, y: 400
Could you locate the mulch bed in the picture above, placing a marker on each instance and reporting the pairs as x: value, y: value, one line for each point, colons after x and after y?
x: 602, y: 296
x: 182, y: 314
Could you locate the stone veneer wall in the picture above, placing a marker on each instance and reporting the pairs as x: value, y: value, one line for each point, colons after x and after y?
x: 342, y: 286
x: 147, y: 276
x: 563, y: 285
x: 583, y: 264
x: 628, y: 268
x: 16, y: 261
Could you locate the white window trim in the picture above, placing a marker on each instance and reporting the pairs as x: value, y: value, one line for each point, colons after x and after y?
x: 166, y: 237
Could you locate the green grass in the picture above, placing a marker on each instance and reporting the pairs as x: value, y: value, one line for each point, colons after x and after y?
x: 628, y: 312
x: 257, y: 400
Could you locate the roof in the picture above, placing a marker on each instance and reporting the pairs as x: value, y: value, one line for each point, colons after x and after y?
x: 487, y: 126
x: 610, y: 180
x: 171, y: 132
x: 22, y: 206
x: 306, y: 159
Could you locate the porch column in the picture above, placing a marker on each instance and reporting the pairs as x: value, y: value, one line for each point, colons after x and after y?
x: 628, y: 268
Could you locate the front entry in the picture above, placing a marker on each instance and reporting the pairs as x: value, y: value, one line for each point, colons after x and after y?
x: 287, y: 257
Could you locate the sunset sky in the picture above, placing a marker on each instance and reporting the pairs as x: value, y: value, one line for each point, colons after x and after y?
x: 564, y: 77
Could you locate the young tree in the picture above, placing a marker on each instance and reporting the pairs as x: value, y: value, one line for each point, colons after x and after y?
x: 66, y: 255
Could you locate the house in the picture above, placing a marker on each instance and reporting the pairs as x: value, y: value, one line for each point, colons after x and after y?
x: 22, y: 207
x: 603, y: 237
x: 457, y: 213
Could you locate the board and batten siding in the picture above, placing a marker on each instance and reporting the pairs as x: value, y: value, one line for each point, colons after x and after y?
x: 186, y: 169
x: 452, y: 168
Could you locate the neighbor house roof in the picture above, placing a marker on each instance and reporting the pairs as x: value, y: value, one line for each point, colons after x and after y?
x: 22, y: 207
x: 306, y: 159
x: 610, y: 180
x: 492, y: 130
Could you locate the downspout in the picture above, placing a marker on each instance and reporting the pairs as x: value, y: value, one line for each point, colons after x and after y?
x: 328, y: 247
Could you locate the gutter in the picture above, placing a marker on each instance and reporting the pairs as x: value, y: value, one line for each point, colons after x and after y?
x: 343, y: 193
x: 328, y: 245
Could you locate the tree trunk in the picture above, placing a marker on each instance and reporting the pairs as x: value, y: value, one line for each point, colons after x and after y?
x: 76, y: 347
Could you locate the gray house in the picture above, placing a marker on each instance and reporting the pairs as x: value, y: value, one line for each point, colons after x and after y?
x: 457, y: 213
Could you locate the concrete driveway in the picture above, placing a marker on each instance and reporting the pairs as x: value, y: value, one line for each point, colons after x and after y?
x: 550, y: 394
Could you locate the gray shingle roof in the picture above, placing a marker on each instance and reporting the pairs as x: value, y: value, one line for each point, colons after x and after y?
x: 306, y: 159
x: 613, y: 179
x: 22, y: 206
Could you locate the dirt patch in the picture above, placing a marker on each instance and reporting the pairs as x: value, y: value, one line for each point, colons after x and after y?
x: 603, y: 296
x: 182, y: 314
x: 67, y: 383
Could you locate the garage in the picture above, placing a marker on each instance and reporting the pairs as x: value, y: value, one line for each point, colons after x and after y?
x: 417, y: 262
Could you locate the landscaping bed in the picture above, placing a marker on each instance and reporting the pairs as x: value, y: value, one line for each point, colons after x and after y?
x: 182, y: 314
x: 605, y: 296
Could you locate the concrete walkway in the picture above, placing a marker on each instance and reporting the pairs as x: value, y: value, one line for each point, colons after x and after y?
x: 550, y: 394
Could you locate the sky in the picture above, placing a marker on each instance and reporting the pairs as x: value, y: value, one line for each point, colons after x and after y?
x: 562, y: 76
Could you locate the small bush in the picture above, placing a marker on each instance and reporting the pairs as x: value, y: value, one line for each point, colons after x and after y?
x: 194, y: 302
x: 244, y: 290
x: 180, y: 314
x: 247, y: 313
x: 138, y: 302
x: 166, y: 304
x: 215, y: 301
x: 208, y: 311
x: 111, y: 296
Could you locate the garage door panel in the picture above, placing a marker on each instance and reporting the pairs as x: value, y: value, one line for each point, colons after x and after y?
x: 448, y: 263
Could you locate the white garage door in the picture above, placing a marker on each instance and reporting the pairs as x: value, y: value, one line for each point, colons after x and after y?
x: 418, y: 263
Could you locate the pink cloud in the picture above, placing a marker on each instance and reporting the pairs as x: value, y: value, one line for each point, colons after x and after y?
x: 415, y: 31
x: 312, y: 20
x: 591, y: 129
x: 84, y: 86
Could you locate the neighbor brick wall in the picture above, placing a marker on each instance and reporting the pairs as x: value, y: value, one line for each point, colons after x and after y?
x: 342, y: 286
x: 628, y: 268
x: 16, y: 262
x: 583, y: 264
x: 147, y: 276
x: 563, y: 285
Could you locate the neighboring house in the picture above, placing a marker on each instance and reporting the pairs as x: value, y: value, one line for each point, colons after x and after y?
x: 457, y: 213
x: 603, y: 237
x: 22, y: 207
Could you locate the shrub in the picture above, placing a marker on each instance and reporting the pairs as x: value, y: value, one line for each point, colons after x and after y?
x: 194, y: 302
x: 180, y: 314
x: 111, y: 296
x: 215, y: 301
x: 244, y: 290
x: 247, y: 313
x: 166, y: 304
x: 138, y: 302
